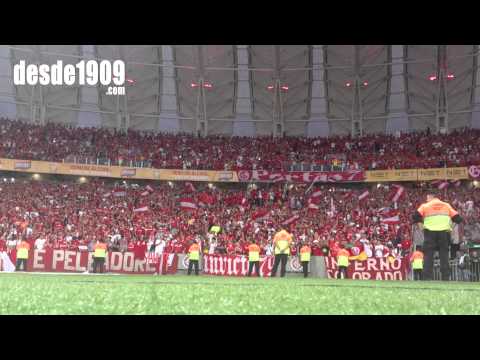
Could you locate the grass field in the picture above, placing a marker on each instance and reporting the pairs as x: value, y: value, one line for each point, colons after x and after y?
x: 138, y: 294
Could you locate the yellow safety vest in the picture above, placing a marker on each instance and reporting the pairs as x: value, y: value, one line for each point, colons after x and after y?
x: 305, y: 255
x: 342, y: 260
x: 437, y: 215
x: 22, y: 253
x: 417, y: 264
x: 194, y: 254
x: 100, y: 253
x: 282, y: 245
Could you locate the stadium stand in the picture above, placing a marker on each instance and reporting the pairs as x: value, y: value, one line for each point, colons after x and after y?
x: 69, y: 215
x: 56, y: 142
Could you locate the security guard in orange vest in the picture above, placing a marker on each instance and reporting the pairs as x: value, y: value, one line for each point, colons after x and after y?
x: 305, y: 253
x: 99, y: 255
x: 22, y: 255
x: 342, y: 263
x: 193, y: 257
x: 281, y: 243
x: 417, y: 263
x: 253, y: 258
x: 437, y: 217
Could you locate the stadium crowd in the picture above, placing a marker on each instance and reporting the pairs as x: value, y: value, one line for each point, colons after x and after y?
x: 55, y: 142
x: 166, y: 217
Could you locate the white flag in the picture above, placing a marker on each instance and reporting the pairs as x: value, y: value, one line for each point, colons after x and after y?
x: 7, y: 263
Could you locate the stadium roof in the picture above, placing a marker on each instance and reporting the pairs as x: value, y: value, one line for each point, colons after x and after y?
x: 312, y: 90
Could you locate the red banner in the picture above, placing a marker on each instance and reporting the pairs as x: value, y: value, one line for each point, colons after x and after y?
x: 300, y: 176
x: 50, y: 260
x: 234, y: 265
x: 370, y: 269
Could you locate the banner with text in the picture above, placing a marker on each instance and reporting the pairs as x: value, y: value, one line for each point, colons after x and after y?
x: 370, y: 269
x: 238, y: 265
x: 50, y: 260
x: 391, y: 175
x: 300, y: 176
x: 45, y: 167
x: 459, y: 173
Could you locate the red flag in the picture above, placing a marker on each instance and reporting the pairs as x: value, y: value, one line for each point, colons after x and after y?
x: 443, y: 185
x: 260, y: 215
x: 391, y: 220
x: 363, y: 195
x: 142, y: 209
x: 291, y: 220
x: 187, y: 204
x: 398, y: 194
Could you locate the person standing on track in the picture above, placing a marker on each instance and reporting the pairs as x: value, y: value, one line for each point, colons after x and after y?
x: 417, y: 263
x: 437, y: 217
x: 23, y: 249
x: 253, y: 258
x: 193, y: 257
x: 281, y: 243
x: 305, y: 252
x: 342, y: 262
x: 99, y: 255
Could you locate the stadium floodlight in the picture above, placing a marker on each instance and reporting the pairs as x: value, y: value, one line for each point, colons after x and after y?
x: 170, y: 184
x: 270, y: 87
x: 284, y: 88
x: 82, y: 179
x: 193, y: 85
x: 379, y: 186
x: 207, y: 85
x: 12, y: 180
x: 36, y: 176
x: 210, y: 185
x: 4, y: 179
x: 475, y: 183
x: 450, y: 76
x: 432, y: 77
x: 365, y: 83
x: 348, y: 84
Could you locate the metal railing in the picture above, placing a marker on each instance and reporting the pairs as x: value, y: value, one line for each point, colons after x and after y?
x: 471, y: 272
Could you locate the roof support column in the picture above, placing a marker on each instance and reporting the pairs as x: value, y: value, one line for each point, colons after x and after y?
x: 168, y: 120
x: 357, y: 111
x: 397, y: 116
x: 278, y: 120
x: 243, y: 124
x: 318, y: 124
x: 475, y: 122
x: 8, y: 107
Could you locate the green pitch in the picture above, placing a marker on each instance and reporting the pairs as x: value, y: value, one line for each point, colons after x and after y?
x: 139, y: 294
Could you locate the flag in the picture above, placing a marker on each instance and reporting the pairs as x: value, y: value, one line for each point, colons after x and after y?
x: 149, y: 188
x: 360, y: 257
x: 313, y: 207
x: 206, y: 198
x: 145, y: 193
x: 456, y: 183
x: 260, y: 215
x: 107, y: 194
x: 332, y: 206
x: 348, y: 195
x: 119, y: 193
x: 398, y: 194
x: 187, y: 203
x: 443, y: 185
x: 142, y: 209
x: 391, y: 220
x: 290, y: 220
x: 316, y: 194
x: 363, y: 195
